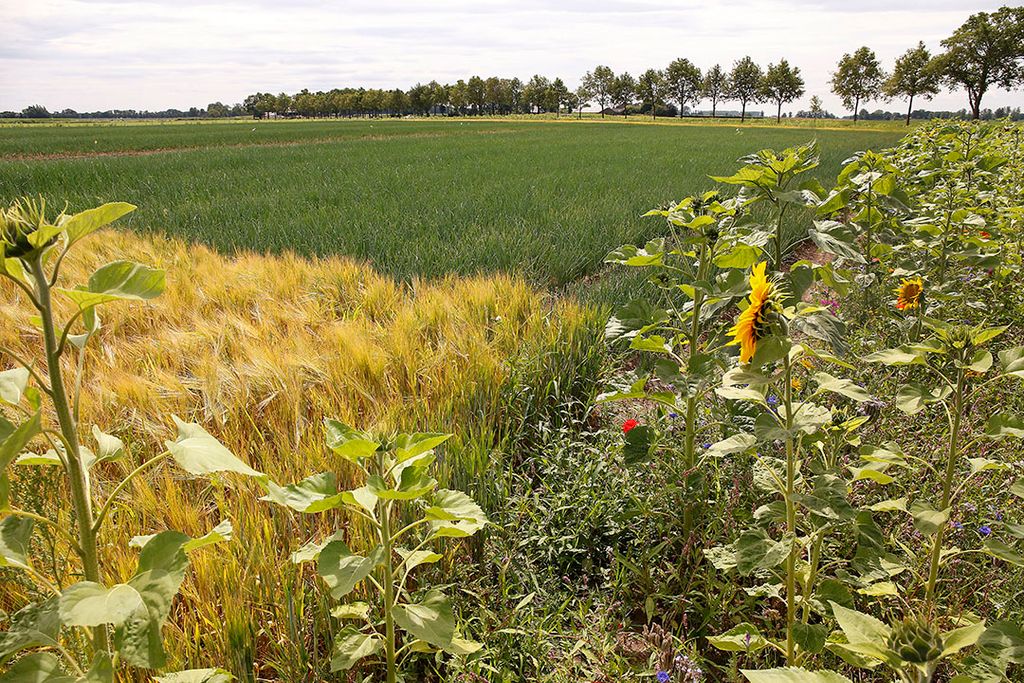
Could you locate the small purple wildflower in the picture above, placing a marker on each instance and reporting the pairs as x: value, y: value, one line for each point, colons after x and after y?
x: 663, y: 677
x: 985, y: 530
x: 773, y: 400
x: 831, y: 304
x: 746, y: 640
x: 705, y: 445
x: 999, y: 515
x: 958, y: 525
x: 673, y: 415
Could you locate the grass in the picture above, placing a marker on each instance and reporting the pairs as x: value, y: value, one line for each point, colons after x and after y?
x: 260, y: 349
x: 422, y: 198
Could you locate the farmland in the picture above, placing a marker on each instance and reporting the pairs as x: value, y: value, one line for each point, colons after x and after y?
x: 770, y: 433
x: 422, y: 198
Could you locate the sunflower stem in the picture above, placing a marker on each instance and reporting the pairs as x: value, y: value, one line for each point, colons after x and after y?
x: 790, y: 516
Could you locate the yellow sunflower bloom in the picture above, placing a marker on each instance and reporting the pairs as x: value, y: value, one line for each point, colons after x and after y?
x: 908, y: 294
x: 752, y: 325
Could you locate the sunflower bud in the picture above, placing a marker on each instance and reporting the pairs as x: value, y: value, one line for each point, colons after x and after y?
x: 916, y: 642
x: 24, y: 229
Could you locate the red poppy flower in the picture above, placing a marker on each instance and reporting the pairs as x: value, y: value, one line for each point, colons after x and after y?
x: 984, y: 234
x: 628, y: 425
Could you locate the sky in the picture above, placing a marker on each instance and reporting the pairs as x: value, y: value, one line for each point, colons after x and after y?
x: 119, y: 54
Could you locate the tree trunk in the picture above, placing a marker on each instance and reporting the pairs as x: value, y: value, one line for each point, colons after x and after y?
x: 778, y: 114
x: 714, y: 106
x: 856, y: 108
x: 910, y: 108
x: 743, y: 111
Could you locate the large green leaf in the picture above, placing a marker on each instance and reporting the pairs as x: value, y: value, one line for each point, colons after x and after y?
x: 352, y: 646
x: 12, y: 384
x: 431, y: 619
x: 86, y: 222
x: 311, y: 550
x: 347, y: 442
x: 198, y: 452
x: 1004, y: 426
x: 866, y: 634
x: 39, y: 667
x: 411, y: 445
x: 740, y: 638
x: 162, y: 565
x: 914, y: 396
x: 108, y: 448
x: 34, y: 625
x: 927, y: 519
x: 15, y: 533
x: 88, y: 603
x: 1011, y: 361
x: 13, y: 440
x: 755, y: 550
x: 414, y: 483
x: 342, y: 570
x: 454, y: 514
x: 1003, y: 552
x: 959, y: 638
x: 843, y: 387
x: 315, y: 493
x: 899, y: 356
x: 793, y: 675
x: 219, y: 534
x: 1005, y: 640
x: 736, y: 443
x: 120, y: 280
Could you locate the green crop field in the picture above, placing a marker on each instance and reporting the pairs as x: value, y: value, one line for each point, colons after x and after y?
x: 417, y: 198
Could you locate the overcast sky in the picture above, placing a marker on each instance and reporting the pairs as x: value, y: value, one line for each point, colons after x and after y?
x: 105, y: 54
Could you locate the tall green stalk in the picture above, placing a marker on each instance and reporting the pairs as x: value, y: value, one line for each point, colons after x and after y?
x: 947, y: 488
x: 77, y: 476
x: 790, y: 516
x: 689, y: 448
x: 389, y: 593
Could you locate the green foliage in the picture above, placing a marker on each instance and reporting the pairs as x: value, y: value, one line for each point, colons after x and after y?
x: 857, y: 78
x: 396, y: 485
x: 96, y: 628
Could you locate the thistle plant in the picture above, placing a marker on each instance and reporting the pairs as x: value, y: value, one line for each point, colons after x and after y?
x: 87, y: 630
x: 396, y: 486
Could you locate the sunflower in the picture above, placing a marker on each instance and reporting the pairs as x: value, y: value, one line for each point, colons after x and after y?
x: 753, y: 325
x: 908, y: 294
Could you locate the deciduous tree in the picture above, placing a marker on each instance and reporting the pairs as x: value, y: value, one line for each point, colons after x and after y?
x: 988, y: 50
x: 782, y: 83
x: 915, y: 75
x: 623, y: 91
x: 858, y: 77
x: 650, y: 89
x: 745, y: 84
x: 715, y: 86
x: 599, y: 82
x: 683, y: 81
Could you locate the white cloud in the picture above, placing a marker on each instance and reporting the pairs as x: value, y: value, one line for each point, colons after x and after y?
x: 88, y: 54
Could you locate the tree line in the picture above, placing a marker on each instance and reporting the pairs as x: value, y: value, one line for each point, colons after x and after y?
x: 986, y: 51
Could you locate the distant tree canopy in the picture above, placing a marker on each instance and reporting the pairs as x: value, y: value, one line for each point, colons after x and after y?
x: 858, y: 78
x: 781, y: 84
x: 986, y: 51
x: 915, y: 75
x: 745, y: 84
